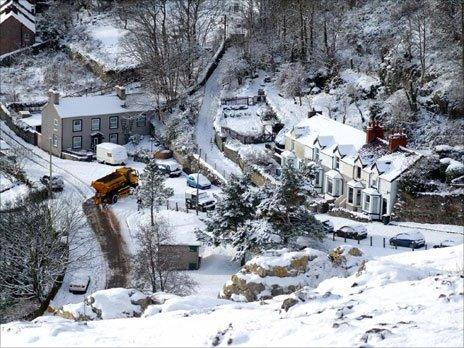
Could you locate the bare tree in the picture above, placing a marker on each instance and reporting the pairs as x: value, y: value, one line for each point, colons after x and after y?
x: 34, y: 236
x: 156, y: 262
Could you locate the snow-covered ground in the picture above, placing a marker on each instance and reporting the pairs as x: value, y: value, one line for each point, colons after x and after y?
x: 377, y: 306
x: 100, y: 38
x: 30, y: 77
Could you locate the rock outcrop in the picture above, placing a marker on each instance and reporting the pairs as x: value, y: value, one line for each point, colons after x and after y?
x: 279, y: 272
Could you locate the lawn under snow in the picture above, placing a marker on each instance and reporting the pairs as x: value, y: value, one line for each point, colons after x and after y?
x: 411, y: 299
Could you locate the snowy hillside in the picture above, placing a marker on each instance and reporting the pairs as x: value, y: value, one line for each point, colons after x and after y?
x: 377, y: 306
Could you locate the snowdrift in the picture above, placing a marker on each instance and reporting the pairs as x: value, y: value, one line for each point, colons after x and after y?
x: 408, y: 299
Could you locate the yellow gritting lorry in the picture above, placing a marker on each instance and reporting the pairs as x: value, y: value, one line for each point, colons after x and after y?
x: 119, y: 183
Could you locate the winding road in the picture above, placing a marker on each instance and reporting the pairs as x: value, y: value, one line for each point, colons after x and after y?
x: 204, y: 132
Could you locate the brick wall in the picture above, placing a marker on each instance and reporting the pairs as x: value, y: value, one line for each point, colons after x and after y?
x: 14, y: 35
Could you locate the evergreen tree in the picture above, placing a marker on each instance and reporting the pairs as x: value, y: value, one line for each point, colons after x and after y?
x: 152, y: 189
x: 237, y: 205
x: 285, y: 206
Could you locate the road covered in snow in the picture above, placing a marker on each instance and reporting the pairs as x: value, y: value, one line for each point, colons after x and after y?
x: 204, y: 132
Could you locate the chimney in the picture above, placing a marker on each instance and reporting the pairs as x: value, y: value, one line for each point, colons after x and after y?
x: 120, y: 92
x: 396, y: 140
x: 374, y: 131
x: 54, y: 96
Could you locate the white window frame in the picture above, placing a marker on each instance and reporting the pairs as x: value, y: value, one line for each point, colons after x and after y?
x: 352, y: 191
x: 55, y: 140
x: 111, y: 135
x: 110, y: 122
x: 141, y: 121
x: 77, y: 125
x: 358, y: 172
x: 80, y: 142
x: 92, y: 128
x: 367, y: 203
x: 336, y: 163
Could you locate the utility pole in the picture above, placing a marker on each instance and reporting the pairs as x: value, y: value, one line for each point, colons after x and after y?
x: 198, y: 178
x: 50, y: 192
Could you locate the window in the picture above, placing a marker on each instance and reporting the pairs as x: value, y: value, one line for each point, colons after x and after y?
x: 55, y: 140
x: 55, y: 123
x: 316, y: 154
x: 358, y: 172
x: 77, y: 125
x: 367, y: 202
x: 114, y: 120
x: 350, y: 195
x: 374, y: 182
x: 193, y: 248
x: 336, y: 163
x: 317, y: 179
x: 358, y: 197
x: 329, y: 186
x: 292, y: 145
x: 77, y: 143
x: 141, y: 121
x: 113, y: 138
x: 95, y: 125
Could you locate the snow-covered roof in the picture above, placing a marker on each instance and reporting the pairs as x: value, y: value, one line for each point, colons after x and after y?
x: 355, y: 184
x: 21, y: 10
x: 334, y: 174
x: 102, y: 105
x: 110, y: 146
x: 391, y: 165
x: 371, y: 191
x: 330, y: 134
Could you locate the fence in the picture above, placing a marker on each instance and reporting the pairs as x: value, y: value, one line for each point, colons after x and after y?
x: 248, y: 139
x: 377, y: 242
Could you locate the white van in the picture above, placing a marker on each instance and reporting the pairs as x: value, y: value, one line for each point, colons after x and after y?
x: 111, y: 153
x: 79, y: 284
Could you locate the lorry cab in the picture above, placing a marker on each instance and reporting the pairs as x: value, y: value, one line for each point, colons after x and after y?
x: 203, y: 200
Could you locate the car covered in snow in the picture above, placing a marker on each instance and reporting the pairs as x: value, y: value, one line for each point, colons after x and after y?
x: 197, y: 180
x: 203, y: 200
x: 57, y: 182
x: 170, y: 168
x: 445, y: 244
x: 413, y: 239
x: 79, y: 284
x: 352, y: 232
x: 328, y: 226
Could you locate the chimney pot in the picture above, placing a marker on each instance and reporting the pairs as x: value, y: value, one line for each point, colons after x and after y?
x: 374, y: 131
x: 120, y: 92
x: 396, y: 140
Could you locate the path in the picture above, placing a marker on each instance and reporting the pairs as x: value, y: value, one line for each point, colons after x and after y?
x: 106, y: 227
x: 204, y: 132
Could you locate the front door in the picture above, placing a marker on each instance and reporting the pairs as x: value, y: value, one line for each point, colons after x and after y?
x: 95, y: 140
x: 384, y: 206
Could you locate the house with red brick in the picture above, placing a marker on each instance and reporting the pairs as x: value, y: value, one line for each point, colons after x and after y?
x: 17, y: 24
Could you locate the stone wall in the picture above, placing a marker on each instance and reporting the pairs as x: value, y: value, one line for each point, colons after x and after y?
x: 430, y: 208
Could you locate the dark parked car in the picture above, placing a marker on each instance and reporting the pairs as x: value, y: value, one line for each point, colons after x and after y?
x: 413, y: 239
x: 352, y: 232
x: 57, y: 182
x: 328, y: 226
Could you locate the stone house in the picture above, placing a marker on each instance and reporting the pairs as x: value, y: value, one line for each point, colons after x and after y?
x: 358, y: 170
x: 76, y: 125
x: 183, y: 249
x: 17, y: 24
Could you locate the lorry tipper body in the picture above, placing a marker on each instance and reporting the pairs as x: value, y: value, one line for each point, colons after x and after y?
x: 119, y: 183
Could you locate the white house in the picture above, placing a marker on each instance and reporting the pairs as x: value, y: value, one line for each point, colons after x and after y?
x: 359, y: 170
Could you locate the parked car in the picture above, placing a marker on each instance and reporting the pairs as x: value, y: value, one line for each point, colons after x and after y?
x: 110, y: 153
x: 352, y: 232
x: 57, y: 182
x: 412, y: 239
x: 328, y: 226
x: 170, y: 168
x: 79, y: 284
x: 203, y: 182
x: 445, y: 244
x: 203, y: 200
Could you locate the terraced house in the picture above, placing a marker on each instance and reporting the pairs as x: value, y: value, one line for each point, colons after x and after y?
x: 74, y: 126
x: 358, y: 170
x: 17, y: 24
